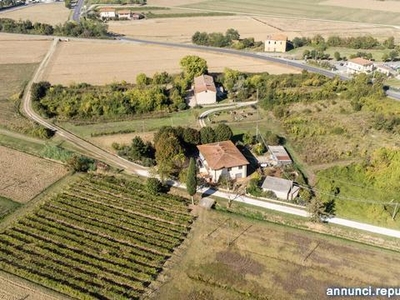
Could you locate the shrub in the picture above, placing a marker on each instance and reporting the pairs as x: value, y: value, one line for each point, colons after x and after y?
x: 154, y: 185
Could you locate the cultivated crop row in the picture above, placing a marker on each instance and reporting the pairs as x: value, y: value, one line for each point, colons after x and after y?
x: 103, y: 238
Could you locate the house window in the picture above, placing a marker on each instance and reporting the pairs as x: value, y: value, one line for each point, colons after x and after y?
x: 229, y: 169
x: 240, y: 167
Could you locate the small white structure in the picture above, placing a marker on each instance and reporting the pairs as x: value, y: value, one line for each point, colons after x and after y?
x: 221, y: 159
x: 107, y: 13
x: 388, y: 71
x: 359, y: 65
x: 124, y: 14
x: 284, y: 189
x: 276, y: 43
x: 279, y: 156
x: 205, y: 91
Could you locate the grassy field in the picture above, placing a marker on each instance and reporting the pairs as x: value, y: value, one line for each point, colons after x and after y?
x: 357, y: 11
x: 230, y: 257
x: 24, y: 176
x: 7, y: 206
x: 130, y: 234
x: 13, y: 78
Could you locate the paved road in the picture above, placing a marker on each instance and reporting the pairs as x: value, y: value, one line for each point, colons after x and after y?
x: 77, y: 11
x: 95, y: 151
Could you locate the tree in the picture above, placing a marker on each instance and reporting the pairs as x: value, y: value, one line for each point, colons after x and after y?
x: 191, y: 179
x: 191, y: 136
x: 207, y: 135
x: 223, y: 133
x: 39, y: 90
x: 154, y: 186
x: 193, y: 66
x: 79, y: 163
x: 232, y: 34
x: 393, y: 55
x: 336, y: 55
x: 142, y: 80
x: 316, y: 209
x: 248, y: 138
x: 389, y: 43
x: 168, y: 153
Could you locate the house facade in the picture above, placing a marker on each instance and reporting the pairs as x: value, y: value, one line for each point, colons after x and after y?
x: 359, y: 65
x: 284, y: 189
x: 204, y: 89
x: 221, y: 159
x: 276, y: 43
x: 107, y: 13
x: 124, y: 14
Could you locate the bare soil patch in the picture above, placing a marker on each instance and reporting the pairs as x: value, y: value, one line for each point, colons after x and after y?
x: 172, y: 3
x: 24, y: 176
x: 391, y: 6
x: 50, y: 13
x: 99, y: 62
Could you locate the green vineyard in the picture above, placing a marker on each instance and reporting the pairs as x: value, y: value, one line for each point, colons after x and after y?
x: 102, y: 238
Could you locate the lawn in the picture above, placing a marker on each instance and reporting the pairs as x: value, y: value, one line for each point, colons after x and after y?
x: 230, y: 257
x: 314, y: 9
x: 7, y: 206
x: 101, y: 238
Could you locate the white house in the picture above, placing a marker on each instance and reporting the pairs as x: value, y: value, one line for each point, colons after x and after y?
x: 284, y: 189
x: 107, y: 13
x: 205, y: 91
x: 124, y: 14
x: 384, y: 69
x: 360, y: 65
x: 221, y: 158
x: 276, y: 43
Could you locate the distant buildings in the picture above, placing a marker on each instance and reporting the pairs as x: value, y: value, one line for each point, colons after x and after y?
x: 221, y: 159
x: 276, y: 43
x: 107, y: 13
x: 283, y: 189
x: 204, y: 89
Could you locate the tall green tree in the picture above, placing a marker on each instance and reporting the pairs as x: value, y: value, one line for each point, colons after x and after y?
x: 191, y: 179
x: 168, y: 154
x: 316, y: 209
x: 223, y: 133
x: 193, y: 66
x: 207, y: 135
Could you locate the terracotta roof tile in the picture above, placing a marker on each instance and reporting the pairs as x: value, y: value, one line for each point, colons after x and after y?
x: 222, y: 155
x: 204, y: 83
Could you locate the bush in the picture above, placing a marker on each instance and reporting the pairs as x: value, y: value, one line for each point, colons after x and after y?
x: 154, y: 186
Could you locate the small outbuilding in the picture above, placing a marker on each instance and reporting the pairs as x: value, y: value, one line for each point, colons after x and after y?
x: 279, y: 156
x: 284, y: 189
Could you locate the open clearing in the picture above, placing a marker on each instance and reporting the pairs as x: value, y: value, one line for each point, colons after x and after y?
x: 24, y: 176
x: 228, y: 257
x: 49, y: 13
x: 112, y: 61
x: 182, y: 29
x: 389, y: 6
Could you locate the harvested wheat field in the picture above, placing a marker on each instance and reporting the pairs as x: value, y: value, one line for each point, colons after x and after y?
x: 182, y: 29
x: 23, y: 176
x: 382, y: 5
x: 21, y: 49
x: 49, y: 13
x: 99, y: 62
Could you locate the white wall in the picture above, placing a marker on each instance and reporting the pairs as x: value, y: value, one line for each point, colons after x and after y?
x: 206, y: 97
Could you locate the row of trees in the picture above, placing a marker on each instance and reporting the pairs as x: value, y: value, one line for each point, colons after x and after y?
x: 230, y: 39
x: 161, y: 93
x: 360, y: 42
x: 85, y: 28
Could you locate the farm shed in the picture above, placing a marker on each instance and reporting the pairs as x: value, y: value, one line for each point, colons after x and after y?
x: 284, y: 189
x: 205, y: 91
x: 221, y: 159
x: 279, y: 156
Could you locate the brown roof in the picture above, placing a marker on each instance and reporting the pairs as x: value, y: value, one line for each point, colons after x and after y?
x: 280, y: 153
x: 222, y: 155
x: 204, y: 83
x: 124, y: 12
x: 277, y: 37
x: 361, y: 61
